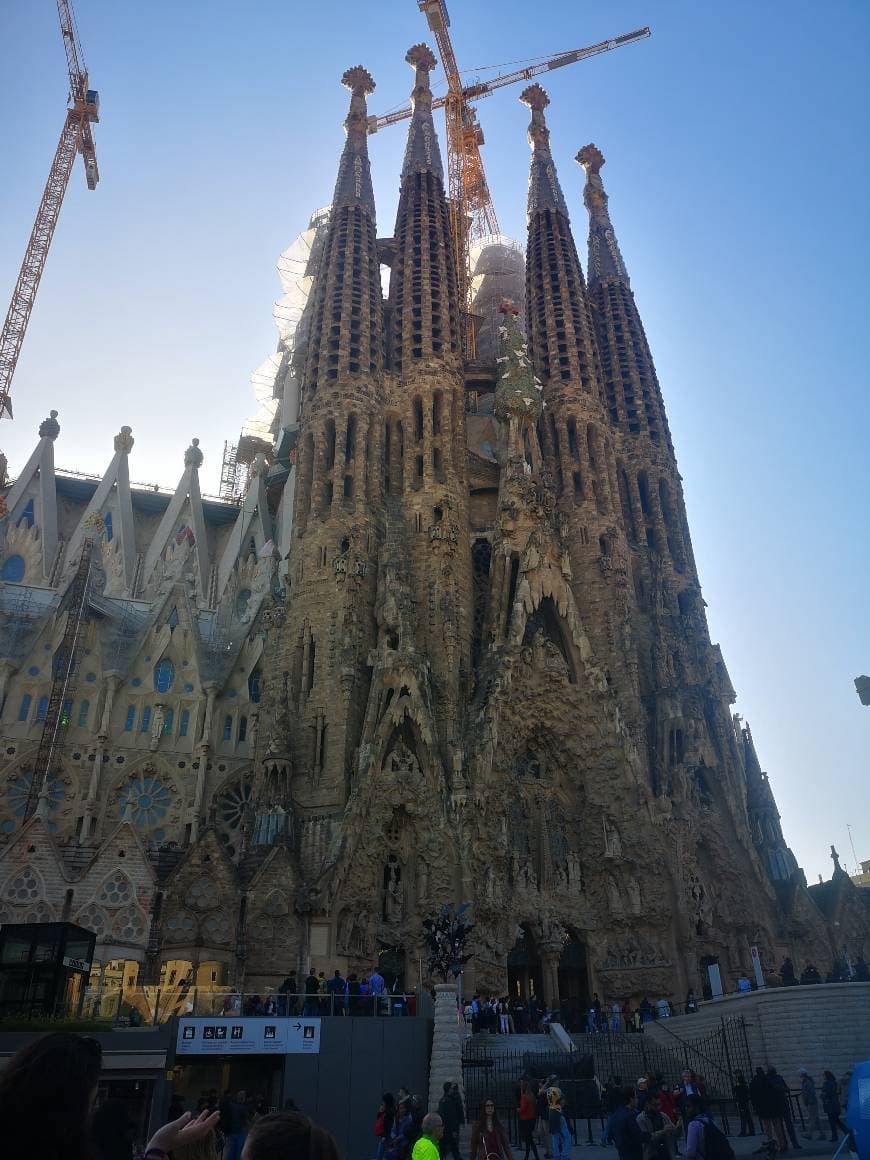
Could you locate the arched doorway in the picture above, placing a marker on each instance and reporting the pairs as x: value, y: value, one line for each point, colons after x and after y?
x: 574, y: 994
x: 524, y: 967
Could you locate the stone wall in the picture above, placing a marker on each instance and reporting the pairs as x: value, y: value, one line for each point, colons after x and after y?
x: 826, y: 1026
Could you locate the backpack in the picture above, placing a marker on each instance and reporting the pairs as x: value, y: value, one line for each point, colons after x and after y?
x: 380, y: 1123
x: 716, y: 1146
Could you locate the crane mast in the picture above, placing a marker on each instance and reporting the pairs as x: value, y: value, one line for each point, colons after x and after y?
x: 76, y: 137
x: 472, y: 213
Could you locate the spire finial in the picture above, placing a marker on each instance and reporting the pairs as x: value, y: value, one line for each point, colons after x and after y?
x: 358, y: 80
x: 422, y: 150
x: 124, y: 440
x: 193, y: 457
x: 591, y: 158
x: 544, y: 189
x: 49, y: 428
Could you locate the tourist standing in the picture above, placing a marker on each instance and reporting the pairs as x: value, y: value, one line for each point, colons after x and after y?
x: 741, y: 1095
x: 691, y: 1002
x: 384, y: 1121
x: 786, y: 972
x: 657, y: 1130
x: 780, y: 1088
x: 698, y: 1127
x: 312, y: 989
x: 377, y: 986
x: 235, y: 1119
x: 766, y: 1102
x: 831, y: 1105
x: 624, y: 1130
x: 452, y: 1115
x: 810, y: 1100
x: 431, y: 1131
x: 489, y: 1140
x: 527, y: 1114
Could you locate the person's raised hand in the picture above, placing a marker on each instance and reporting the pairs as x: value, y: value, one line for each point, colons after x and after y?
x: 184, y: 1130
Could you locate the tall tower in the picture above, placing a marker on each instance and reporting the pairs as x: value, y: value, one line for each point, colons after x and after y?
x: 575, y: 433
x: 327, y: 633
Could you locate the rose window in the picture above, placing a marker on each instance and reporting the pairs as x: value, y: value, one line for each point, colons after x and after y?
x: 130, y: 926
x: 19, y: 791
x: 181, y: 926
x: 216, y: 928
x: 24, y: 887
x: 202, y: 893
x: 148, y: 799
x: 230, y: 809
x: 116, y: 891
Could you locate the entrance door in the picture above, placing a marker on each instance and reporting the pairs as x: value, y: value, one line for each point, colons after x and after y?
x: 574, y: 994
x: 524, y: 968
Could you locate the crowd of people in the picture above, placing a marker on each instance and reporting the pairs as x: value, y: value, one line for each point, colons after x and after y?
x: 353, y: 995
x: 505, y: 1016
x: 842, y: 971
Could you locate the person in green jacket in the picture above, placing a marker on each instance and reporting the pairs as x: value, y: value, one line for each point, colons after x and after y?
x: 426, y: 1147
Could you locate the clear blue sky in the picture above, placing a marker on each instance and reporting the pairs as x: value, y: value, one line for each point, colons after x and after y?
x: 737, y: 146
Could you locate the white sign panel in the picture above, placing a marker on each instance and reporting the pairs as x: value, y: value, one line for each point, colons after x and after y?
x: 260, y: 1035
x: 756, y: 966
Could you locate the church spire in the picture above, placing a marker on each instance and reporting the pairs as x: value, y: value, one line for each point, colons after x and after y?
x: 423, y: 294
x: 544, y: 189
x: 346, y: 331
x: 353, y: 185
x: 422, y: 150
x: 605, y: 260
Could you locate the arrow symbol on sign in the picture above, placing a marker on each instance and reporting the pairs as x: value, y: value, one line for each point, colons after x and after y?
x: 297, y: 1025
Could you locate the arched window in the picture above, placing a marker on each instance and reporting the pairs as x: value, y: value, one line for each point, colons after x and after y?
x: 254, y: 688
x: 164, y: 675
x: 84, y: 710
x: 242, y: 601
x: 130, y: 719
x: 107, y: 524
x: 167, y: 722
x: 184, y: 723
x: 13, y: 569
x: 24, y: 710
x: 243, y: 728
x: 145, y: 723
x: 42, y: 708
x: 228, y: 728
x: 66, y: 712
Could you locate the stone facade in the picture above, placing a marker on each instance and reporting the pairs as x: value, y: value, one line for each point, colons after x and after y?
x: 450, y: 646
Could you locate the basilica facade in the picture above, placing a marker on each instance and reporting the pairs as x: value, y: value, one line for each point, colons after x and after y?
x: 450, y: 646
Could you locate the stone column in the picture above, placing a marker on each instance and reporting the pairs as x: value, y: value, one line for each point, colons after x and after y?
x: 550, y: 976
x: 446, y: 1061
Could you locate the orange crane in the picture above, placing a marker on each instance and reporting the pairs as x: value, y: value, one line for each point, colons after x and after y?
x: 472, y: 213
x: 76, y: 137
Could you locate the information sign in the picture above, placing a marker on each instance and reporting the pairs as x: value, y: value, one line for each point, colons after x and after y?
x: 238, y: 1035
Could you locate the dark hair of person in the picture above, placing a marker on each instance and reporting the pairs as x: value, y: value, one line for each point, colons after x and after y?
x: 829, y: 1075
x: 289, y: 1134
x: 46, y: 1092
x: 627, y: 1095
x: 482, y: 1117
x: 389, y: 1101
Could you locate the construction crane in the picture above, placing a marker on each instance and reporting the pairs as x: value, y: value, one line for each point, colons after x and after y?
x: 65, y: 667
x: 76, y: 137
x: 472, y: 213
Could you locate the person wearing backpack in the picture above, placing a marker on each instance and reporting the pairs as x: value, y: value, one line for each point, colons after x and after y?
x: 657, y: 1130
x: 704, y: 1140
x: 384, y: 1121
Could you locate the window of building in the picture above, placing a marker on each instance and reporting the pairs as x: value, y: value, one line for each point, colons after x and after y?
x: 26, y: 516
x: 13, y: 569
x: 24, y: 710
x: 84, y: 710
x: 107, y: 524
x: 164, y: 675
x: 243, y: 728
x: 167, y: 722
x: 145, y: 723
x: 254, y: 688
x: 184, y: 723
x: 130, y: 719
x: 66, y: 713
x: 242, y: 601
x: 42, y: 708
x: 228, y: 728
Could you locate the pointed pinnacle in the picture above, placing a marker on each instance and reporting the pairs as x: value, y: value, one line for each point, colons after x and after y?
x: 358, y: 80
x: 535, y: 97
x: 591, y: 158
x: 421, y: 56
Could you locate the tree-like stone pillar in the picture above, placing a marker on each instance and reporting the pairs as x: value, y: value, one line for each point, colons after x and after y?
x: 550, y: 972
x: 445, y: 1064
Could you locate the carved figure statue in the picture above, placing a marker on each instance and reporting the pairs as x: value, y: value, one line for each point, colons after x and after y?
x: 394, y: 894
x: 158, y: 720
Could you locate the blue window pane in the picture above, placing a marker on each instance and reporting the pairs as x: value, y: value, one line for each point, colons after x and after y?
x: 107, y: 524
x: 184, y: 723
x: 254, y: 686
x: 130, y: 719
x: 26, y: 516
x: 145, y: 723
x: 243, y: 728
x: 24, y: 711
x: 167, y: 723
x: 66, y: 712
x: 42, y: 708
x: 228, y: 728
x: 164, y: 675
x: 84, y: 709
x: 13, y: 569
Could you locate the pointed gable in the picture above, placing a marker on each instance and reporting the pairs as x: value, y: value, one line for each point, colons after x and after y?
x: 182, y: 531
x: 254, y: 523
x: 32, y: 500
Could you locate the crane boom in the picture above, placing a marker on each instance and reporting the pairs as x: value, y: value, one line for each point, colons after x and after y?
x: 76, y: 137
